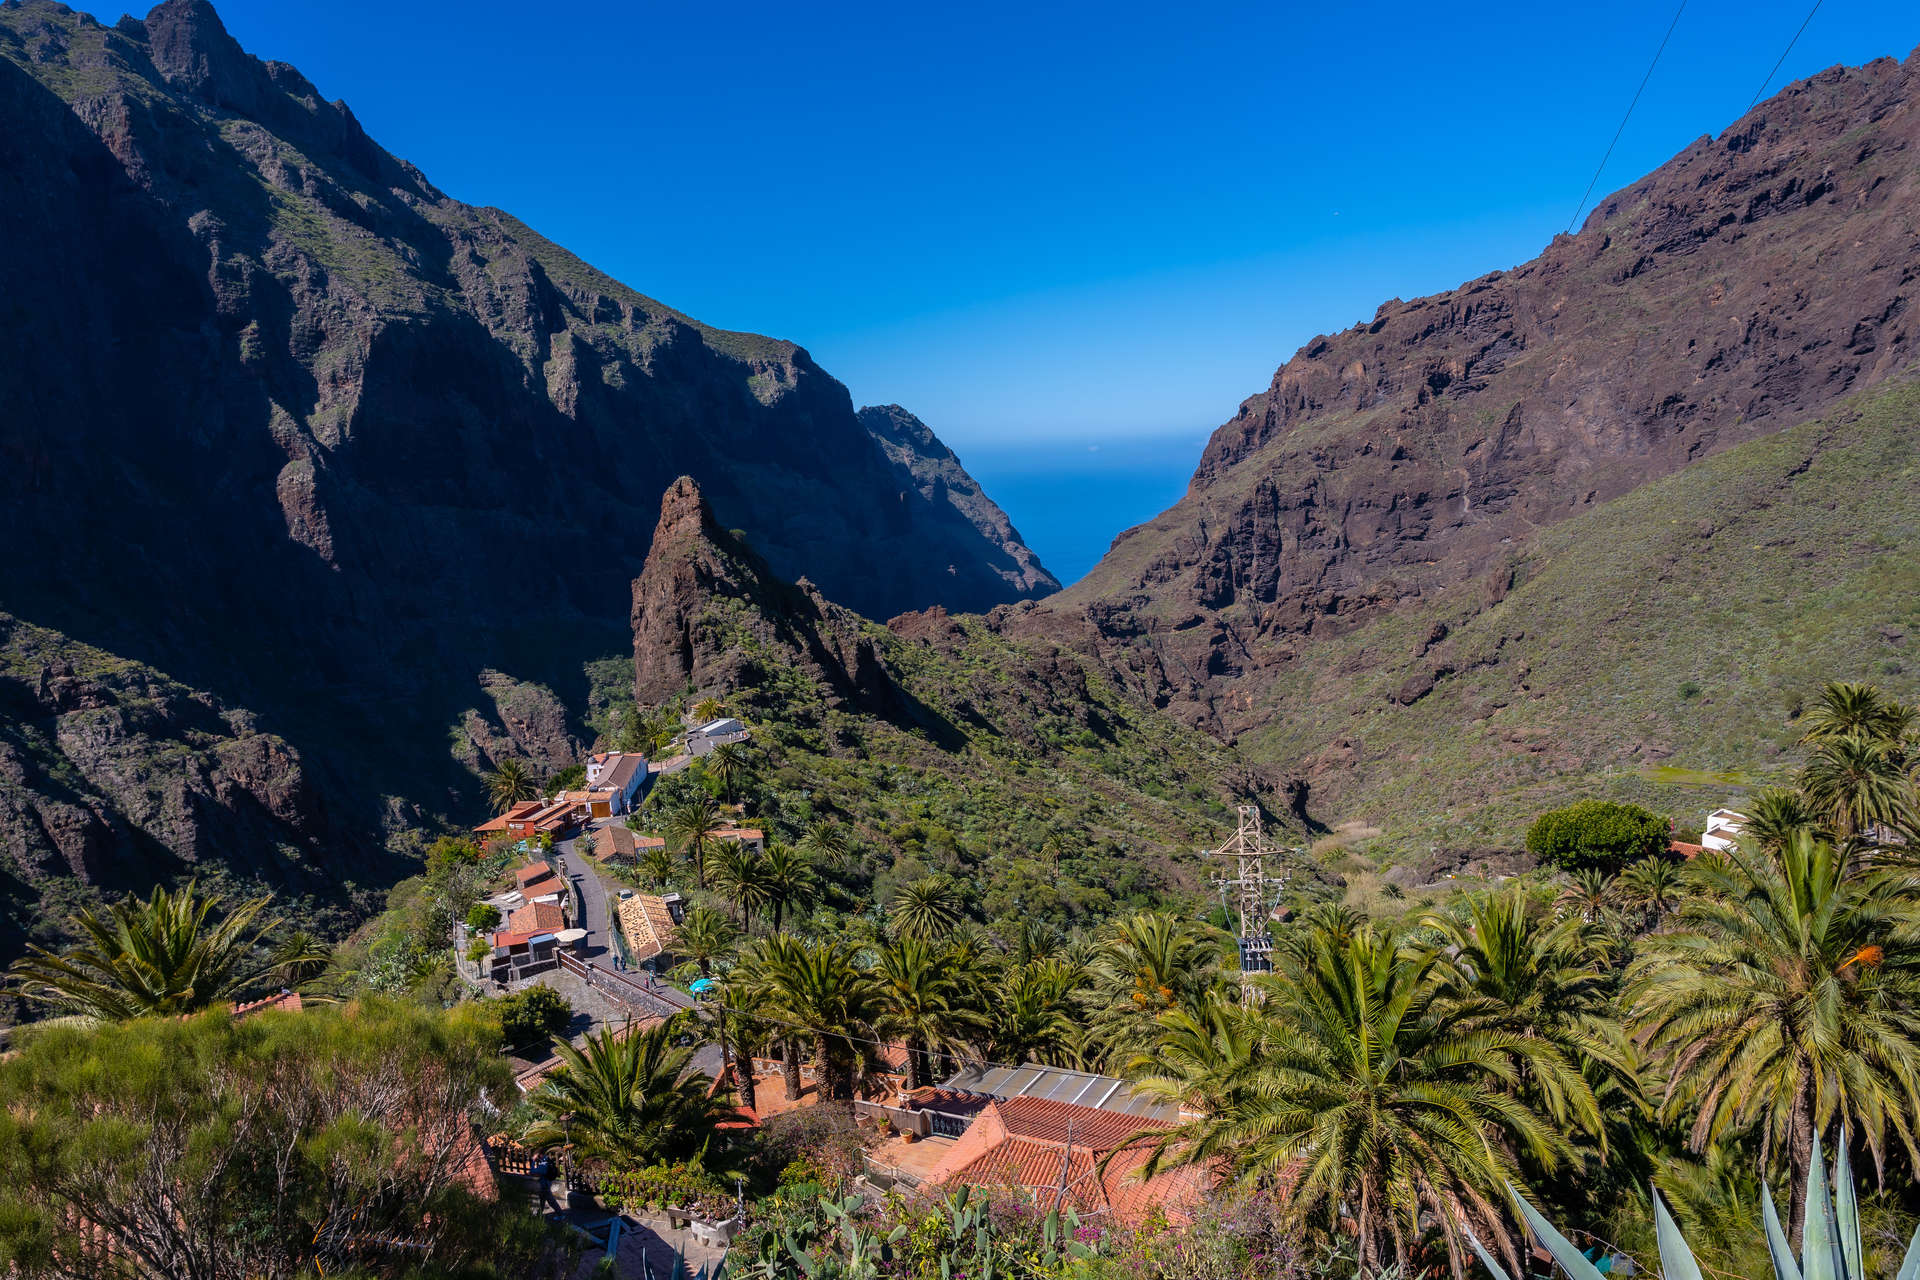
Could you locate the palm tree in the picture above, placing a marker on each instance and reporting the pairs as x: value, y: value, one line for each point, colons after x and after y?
x: 826, y: 840
x: 164, y: 955
x: 790, y: 881
x: 1589, y: 894
x: 1775, y: 816
x: 1033, y: 1017
x: 657, y: 864
x: 927, y: 908
x: 740, y: 873
x: 627, y: 1098
x: 299, y: 958
x: 691, y: 827
x: 1858, y: 784
x: 509, y: 784
x: 703, y: 937
x: 1785, y: 1001
x: 1849, y: 710
x: 1358, y: 1089
x: 1150, y: 962
x: 733, y: 1011
x: 1035, y: 940
x: 1540, y: 983
x: 1654, y: 885
x: 921, y: 995
x: 726, y: 764
x: 708, y: 709
x: 816, y: 989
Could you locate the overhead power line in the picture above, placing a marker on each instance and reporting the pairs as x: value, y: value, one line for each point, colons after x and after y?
x: 1783, y: 55
x: 1601, y: 168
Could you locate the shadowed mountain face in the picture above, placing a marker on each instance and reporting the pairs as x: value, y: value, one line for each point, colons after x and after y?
x: 1404, y: 466
x: 286, y: 423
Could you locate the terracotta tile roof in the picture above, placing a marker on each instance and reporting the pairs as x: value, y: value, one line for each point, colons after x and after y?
x: 648, y: 924
x: 537, y: 917
x: 514, y: 813
x: 1684, y: 849
x: 954, y: 1102
x: 1053, y: 1151
x: 613, y: 842
x: 531, y: 872
x: 649, y: 842
x: 287, y: 1000
x: 739, y: 833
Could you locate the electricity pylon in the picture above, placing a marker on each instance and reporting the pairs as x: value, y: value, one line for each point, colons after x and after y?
x: 1249, y: 885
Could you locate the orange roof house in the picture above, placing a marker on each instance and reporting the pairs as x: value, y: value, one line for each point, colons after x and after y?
x: 536, y: 880
x: 1054, y: 1152
x: 506, y: 820
x: 647, y: 920
x: 537, y: 917
x: 615, y: 842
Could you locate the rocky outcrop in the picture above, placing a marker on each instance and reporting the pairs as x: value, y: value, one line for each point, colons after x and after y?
x: 1742, y: 288
x: 965, y: 515
x: 284, y: 421
x: 521, y: 721
x: 710, y: 615
x: 114, y: 775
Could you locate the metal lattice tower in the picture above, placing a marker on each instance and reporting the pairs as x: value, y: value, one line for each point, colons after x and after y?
x: 1248, y: 884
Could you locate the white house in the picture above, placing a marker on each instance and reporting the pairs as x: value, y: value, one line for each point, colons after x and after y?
x: 624, y: 773
x: 1723, y: 829
x: 713, y: 734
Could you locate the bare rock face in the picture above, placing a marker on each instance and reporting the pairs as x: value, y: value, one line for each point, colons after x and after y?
x: 965, y: 514
x: 709, y: 614
x: 521, y: 721
x: 115, y: 775
x: 1740, y: 289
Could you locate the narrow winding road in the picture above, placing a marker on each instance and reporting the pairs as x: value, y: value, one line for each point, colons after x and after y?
x: 596, y: 917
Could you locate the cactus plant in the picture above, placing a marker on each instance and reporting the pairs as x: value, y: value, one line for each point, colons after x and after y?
x: 1830, y: 1244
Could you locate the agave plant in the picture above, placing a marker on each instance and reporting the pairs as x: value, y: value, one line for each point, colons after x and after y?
x: 1830, y: 1244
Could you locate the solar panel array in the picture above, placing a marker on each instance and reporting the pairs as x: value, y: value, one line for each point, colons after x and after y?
x: 1060, y: 1084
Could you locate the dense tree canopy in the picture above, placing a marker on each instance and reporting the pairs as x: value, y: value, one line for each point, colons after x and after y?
x: 1597, y: 833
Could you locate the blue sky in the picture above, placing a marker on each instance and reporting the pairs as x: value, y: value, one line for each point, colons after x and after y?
x: 1045, y: 228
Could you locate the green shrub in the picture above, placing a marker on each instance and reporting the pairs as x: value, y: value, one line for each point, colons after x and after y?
x: 482, y: 916
x: 531, y: 1016
x: 1597, y: 833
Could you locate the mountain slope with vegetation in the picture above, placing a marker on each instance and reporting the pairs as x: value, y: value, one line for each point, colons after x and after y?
x: 1740, y: 288
x: 294, y: 427
x: 1660, y: 648
x: 940, y: 741
x: 1354, y: 539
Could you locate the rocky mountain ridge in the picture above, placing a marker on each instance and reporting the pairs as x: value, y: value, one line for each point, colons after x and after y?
x: 1747, y: 285
x: 368, y: 465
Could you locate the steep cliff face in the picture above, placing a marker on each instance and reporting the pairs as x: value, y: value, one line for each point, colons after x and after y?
x: 709, y: 614
x: 113, y: 773
x: 967, y: 516
x: 286, y: 422
x: 1742, y: 288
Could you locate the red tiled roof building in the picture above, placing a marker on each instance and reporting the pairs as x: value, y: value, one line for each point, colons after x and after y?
x: 1053, y: 1151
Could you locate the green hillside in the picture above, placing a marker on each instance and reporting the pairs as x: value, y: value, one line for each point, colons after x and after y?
x: 1656, y: 648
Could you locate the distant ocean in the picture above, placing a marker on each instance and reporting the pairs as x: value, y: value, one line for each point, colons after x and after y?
x: 1069, y: 500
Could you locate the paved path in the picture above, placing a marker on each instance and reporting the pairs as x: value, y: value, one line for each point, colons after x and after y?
x: 596, y: 917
